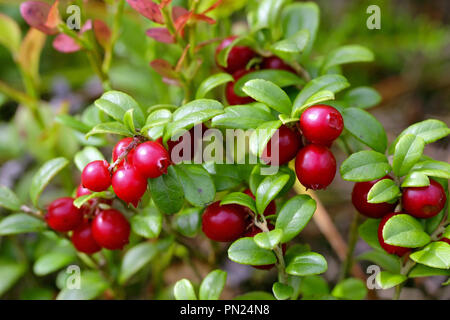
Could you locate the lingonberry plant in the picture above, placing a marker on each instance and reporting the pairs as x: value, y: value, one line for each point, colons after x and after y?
x: 172, y: 172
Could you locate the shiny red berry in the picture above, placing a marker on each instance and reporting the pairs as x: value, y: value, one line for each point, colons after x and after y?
x: 271, y: 208
x: 275, y: 63
x: 315, y: 166
x: 151, y: 159
x: 399, y: 251
x: 111, y: 229
x: 238, y: 57
x: 120, y: 147
x: 371, y: 210
x: 224, y: 223
x: 321, y: 124
x: 83, y: 239
x: 129, y: 185
x: 424, y: 202
x: 96, y: 176
x: 231, y: 95
x: 289, y: 141
x: 63, y: 216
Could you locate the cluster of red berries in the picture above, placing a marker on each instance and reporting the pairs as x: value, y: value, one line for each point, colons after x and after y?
x: 419, y: 202
x: 237, y: 61
x: 229, y: 222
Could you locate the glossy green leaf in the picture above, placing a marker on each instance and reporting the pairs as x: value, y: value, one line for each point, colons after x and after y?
x: 435, y: 255
x: 148, y: 223
x: 212, y: 82
x: 111, y: 128
x: 197, y: 184
x: 262, y: 135
x: 365, y: 165
x: 241, y: 199
x: 128, y: 120
x: 282, y: 291
x: 347, y: 54
x: 368, y: 231
x: 92, y: 285
x: 407, y: 152
x: 306, y: 264
x: 268, y: 93
x: 281, y: 78
x: 20, y: 223
x: 53, y: 261
x: 362, y: 97
x: 404, y: 231
x: 350, y: 289
x: 88, y: 154
x: 387, y: 280
x: 10, y: 34
x: 212, y: 285
x: 183, y: 290
x: 294, y: 44
x: 72, y: 122
x: 383, y: 191
x: 433, y: 168
x: 188, y: 221
x: 167, y: 192
x: 383, y: 259
x: 116, y: 103
x: 268, y: 240
x: 255, y: 295
x: 268, y: 189
x: 8, y: 199
x: 421, y: 270
x: 416, y: 179
x: 10, y: 273
x: 246, y: 251
x: 243, y: 117
x: 135, y: 259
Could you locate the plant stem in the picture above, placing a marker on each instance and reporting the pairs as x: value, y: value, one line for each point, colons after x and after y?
x: 32, y: 212
x: 123, y: 155
x: 353, y: 238
x: 107, y: 59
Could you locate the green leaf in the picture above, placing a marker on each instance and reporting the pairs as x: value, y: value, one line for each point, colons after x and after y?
x: 222, y: 57
x: 320, y: 96
x: 281, y: 78
x: 350, y: 289
x: 404, y: 231
x: 282, y: 291
x: 408, y: 151
x: 157, y: 119
x: 53, y: 261
x: 8, y: 199
x: 383, y: 191
x: 268, y: 240
x: 368, y: 231
x: 329, y: 82
x: 20, y: 223
x: 262, y: 135
x: 183, y: 290
x: 306, y: 264
x: 78, y: 202
x: 135, y: 259
x: 197, y: 184
x: 347, y: 54
x: 212, y: 82
x: 128, y: 120
x: 88, y: 154
x: 294, y: 216
x: 268, y: 189
x: 243, y: 117
x: 241, y: 199
x: 433, y: 168
x: 416, y: 179
x: 429, y: 130
x: 10, y: 273
x: 365, y: 165
x: 435, y: 255
x: 246, y: 251
x: 147, y: 223
x: 188, y: 221
x: 366, y: 128
x: 92, y: 284
x: 421, y: 270
x: 255, y: 295
x: 167, y: 192
x: 294, y: 44
x: 387, y: 280
x: 362, y: 97
x: 73, y: 123
x: 268, y: 93
x: 387, y: 261
x: 10, y: 34
x: 43, y: 176
x: 116, y: 103
x: 111, y: 128
x: 212, y: 286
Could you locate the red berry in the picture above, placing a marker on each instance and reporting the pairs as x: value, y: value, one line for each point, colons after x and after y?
x: 63, y: 216
x: 271, y: 208
x: 289, y: 142
x: 129, y: 185
x: 179, y: 155
x: 83, y: 239
x: 321, y: 124
x: 232, y: 97
x: 275, y: 63
x: 151, y: 159
x: 254, y: 231
x: 120, y: 147
x: 111, y: 229
x: 424, y: 202
x: 82, y: 191
x: 96, y: 176
x: 315, y: 166
x: 399, y: 251
x: 445, y: 240
x: 224, y: 223
x: 371, y: 210
x: 238, y: 57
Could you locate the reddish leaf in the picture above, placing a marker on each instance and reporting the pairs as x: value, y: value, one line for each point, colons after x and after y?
x: 215, y: 5
x: 102, y: 32
x: 148, y: 9
x: 35, y: 14
x: 53, y: 18
x: 164, y: 3
x: 177, y: 12
x: 65, y: 44
x: 165, y: 70
x: 86, y: 27
x: 181, y: 22
x: 160, y: 34
x: 202, y: 17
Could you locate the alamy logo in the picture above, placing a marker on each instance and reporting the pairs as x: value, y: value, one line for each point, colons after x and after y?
x: 74, y: 20
x: 374, y: 20
x: 73, y: 281
x: 371, y: 282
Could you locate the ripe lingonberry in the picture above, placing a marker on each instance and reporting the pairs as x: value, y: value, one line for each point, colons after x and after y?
x: 224, y: 223
x: 371, y: 210
x: 275, y: 63
x: 82, y: 191
x: 151, y: 159
x: 321, y: 124
x: 399, y: 251
x: 96, y: 176
x: 83, y: 239
x: 128, y: 184
x: 178, y: 155
x: 424, y: 202
x: 120, y: 147
x: 63, y: 216
x: 288, y: 143
x: 238, y: 57
x: 271, y: 207
x: 232, y: 97
x: 111, y: 229
x: 315, y: 166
